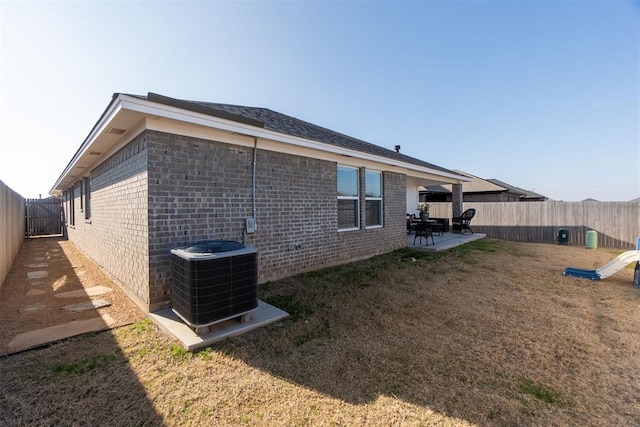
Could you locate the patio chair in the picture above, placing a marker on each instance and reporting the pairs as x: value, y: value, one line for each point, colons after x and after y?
x: 460, y: 224
x: 410, y: 225
x: 423, y: 229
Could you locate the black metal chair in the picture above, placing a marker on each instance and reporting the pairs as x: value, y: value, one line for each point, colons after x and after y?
x: 410, y: 225
x: 460, y: 224
x: 423, y: 229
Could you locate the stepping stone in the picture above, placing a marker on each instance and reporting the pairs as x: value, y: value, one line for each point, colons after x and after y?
x: 93, y: 291
x: 33, y: 308
x: 87, y: 305
x: 40, y: 265
x: 37, y: 283
x: 58, y: 332
x: 34, y: 292
x: 37, y: 274
x: 59, y: 283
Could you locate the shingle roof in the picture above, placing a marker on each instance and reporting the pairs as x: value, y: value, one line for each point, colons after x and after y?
x: 517, y: 190
x: 289, y: 125
x: 479, y: 185
x: 476, y: 185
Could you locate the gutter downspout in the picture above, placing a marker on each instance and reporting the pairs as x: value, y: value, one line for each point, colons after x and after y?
x: 253, y: 183
x: 253, y: 194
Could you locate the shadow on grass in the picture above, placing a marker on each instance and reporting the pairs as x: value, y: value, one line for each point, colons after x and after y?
x: 84, y: 380
x: 355, y: 335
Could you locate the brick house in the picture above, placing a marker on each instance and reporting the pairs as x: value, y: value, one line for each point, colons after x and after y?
x: 480, y: 190
x: 156, y: 173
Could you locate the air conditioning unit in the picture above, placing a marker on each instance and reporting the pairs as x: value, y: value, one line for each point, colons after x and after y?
x: 213, y: 281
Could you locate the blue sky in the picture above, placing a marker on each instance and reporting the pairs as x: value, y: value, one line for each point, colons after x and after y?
x: 544, y: 95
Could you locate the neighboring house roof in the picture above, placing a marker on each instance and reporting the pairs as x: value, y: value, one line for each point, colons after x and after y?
x: 476, y: 185
x: 527, y: 195
x: 440, y: 189
x: 127, y: 115
x: 479, y: 185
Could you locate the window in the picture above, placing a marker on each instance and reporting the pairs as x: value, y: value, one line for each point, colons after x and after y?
x: 72, y: 205
x: 87, y: 198
x: 373, y: 198
x: 65, y: 200
x: 348, y: 199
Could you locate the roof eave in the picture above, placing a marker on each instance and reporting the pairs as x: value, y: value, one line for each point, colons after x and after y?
x: 169, y: 108
x: 190, y: 115
x: 105, y: 118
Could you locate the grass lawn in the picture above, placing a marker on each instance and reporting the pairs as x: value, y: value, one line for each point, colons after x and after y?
x: 489, y: 333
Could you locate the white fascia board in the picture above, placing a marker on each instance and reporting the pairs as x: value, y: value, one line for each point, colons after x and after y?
x: 179, y: 114
x: 100, y: 126
x: 209, y: 133
x: 114, y: 148
x: 157, y: 110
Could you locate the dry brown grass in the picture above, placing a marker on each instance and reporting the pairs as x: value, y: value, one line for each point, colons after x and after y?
x: 487, y: 334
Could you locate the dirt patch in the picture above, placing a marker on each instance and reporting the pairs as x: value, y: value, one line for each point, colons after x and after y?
x: 51, y: 283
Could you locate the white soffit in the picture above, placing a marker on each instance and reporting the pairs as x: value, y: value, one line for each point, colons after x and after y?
x: 174, y: 113
x: 207, y: 133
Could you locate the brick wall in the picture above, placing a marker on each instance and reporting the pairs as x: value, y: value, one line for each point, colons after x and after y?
x: 200, y: 189
x: 367, y: 242
x: 115, y: 236
x: 163, y: 191
x: 296, y: 214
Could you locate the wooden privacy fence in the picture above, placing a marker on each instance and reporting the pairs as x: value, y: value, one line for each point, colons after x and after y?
x: 11, y: 228
x: 617, y: 223
x: 43, y: 217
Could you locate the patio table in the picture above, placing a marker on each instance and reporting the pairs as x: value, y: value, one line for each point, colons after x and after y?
x: 433, y: 224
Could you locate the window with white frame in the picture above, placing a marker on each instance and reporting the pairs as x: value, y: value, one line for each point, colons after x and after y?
x: 348, y: 198
x: 373, y: 198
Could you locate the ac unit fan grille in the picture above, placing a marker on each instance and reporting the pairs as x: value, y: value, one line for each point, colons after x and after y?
x: 208, y: 290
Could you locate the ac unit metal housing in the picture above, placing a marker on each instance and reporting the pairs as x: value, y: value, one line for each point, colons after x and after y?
x: 213, y: 281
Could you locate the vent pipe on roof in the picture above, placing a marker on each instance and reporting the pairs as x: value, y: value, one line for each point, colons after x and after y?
x: 397, y: 148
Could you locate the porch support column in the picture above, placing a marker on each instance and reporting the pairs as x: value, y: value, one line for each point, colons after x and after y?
x: 456, y: 199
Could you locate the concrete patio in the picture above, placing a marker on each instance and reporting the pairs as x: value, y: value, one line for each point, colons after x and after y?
x: 441, y: 241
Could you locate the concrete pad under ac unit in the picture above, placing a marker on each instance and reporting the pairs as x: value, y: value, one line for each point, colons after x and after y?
x: 173, y: 325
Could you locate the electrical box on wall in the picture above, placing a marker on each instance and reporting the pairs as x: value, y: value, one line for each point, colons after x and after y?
x: 250, y: 225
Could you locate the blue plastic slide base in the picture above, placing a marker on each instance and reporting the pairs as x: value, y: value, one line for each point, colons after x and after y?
x: 579, y: 272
